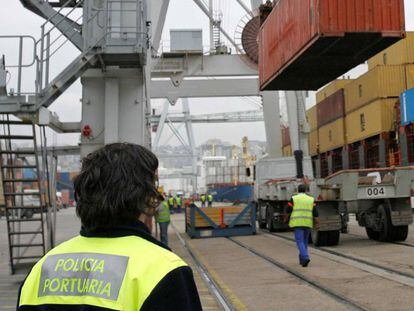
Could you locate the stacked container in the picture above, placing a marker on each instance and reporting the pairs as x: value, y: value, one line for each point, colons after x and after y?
x: 311, y: 115
x: 286, y: 143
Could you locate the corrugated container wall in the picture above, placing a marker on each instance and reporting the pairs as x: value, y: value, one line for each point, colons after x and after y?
x: 331, y: 108
x: 409, y: 70
x: 332, y: 136
x: 380, y: 82
x: 331, y: 88
x: 312, y: 116
x: 313, y: 142
x: 371, y: 120
x: 305, y: 44
x: 399, y: 53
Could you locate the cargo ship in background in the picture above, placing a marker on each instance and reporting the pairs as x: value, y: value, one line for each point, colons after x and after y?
x: 229, y: 179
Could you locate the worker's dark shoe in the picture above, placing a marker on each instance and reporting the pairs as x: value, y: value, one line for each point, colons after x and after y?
x: 305, y: 263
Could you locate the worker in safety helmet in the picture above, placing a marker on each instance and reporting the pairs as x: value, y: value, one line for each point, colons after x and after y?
x: 115, y: 263
x: 162, y: 217
x: 210, y: 200
x: 203, y: 199
x: 302, y: 216
x: 178, y: 202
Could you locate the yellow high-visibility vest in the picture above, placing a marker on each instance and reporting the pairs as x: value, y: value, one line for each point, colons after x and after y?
x: 164, y: 213
x: 114, y: 273
x: 302, y: 214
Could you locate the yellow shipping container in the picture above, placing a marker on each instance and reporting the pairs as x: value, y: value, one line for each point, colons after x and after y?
x: 332, y: 136
x: 380, y: 82
x: 312, y: 115
x: 331, y: 88
x: 371, y: 120
x: 313, y: 143
x: 287, y: 151
x: 409, y: 70
x: 399, y: 53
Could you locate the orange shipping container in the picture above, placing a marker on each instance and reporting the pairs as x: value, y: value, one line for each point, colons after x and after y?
x: 380, y: 82
x: 409, y: 70
x: 287, y: 151
x: 299, y: 38
x: 332, y: 136
x: 399, y: 53
x: 331, y: 88
x: 285, y: 136
x: 312, y: 116
x: 371, y: 120
x: 313, y: 143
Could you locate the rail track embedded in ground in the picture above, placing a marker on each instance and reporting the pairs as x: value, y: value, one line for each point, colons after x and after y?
x: 325, y: 290
x: 221, y: 298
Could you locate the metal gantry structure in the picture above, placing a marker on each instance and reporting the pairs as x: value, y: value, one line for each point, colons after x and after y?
x: 121, y: 71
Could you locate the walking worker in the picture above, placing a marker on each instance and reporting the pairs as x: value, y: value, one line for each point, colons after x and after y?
x: 115, y: 263
x: 302, y: 216
x: 171, y: 203
x: 203, y: 199
x: 210, y: 200
x: 162, y: 217
x: 179, y: 203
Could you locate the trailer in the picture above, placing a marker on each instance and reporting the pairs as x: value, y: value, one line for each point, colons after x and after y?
x: 379, y: 198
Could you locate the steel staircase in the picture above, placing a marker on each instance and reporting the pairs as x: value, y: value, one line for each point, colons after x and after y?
x: 26, y: 211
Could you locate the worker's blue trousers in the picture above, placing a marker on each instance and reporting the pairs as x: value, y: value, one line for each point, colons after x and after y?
x: 302, y: 240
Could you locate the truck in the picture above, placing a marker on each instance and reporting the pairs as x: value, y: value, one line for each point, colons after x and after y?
x: 380, y: 198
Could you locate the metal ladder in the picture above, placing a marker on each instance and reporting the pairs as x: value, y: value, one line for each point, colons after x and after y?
x: 26, y: 211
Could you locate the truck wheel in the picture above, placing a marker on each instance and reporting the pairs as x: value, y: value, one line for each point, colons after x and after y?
x: 372, y: 235
x: 319, y: 238
x: 332, y: 238
x: 386, y: 231
x: 400, y: 233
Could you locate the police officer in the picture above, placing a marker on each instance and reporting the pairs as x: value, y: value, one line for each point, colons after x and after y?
x: 210, y: 200
x: 302, y: 215
x: 162, y: 217
x: 115, y: 263
x: 203, y: 200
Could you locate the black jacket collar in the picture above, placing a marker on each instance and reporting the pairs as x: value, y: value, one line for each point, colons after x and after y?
x: 136, y: 228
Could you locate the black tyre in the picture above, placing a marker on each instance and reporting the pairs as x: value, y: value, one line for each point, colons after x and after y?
x: 372, y: 235
x: 400, y: 233
x: 262, y: 225
x: 386, y: 233
x: 332, y: 238
x: 319, y: 238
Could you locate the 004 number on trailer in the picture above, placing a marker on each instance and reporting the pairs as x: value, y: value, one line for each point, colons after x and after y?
x: 375, y: 192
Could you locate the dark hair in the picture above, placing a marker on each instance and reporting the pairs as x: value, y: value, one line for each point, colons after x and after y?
x: 301, y: 188
x: 117, y: 183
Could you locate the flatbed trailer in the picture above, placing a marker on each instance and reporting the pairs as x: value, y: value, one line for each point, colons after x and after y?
x: 380, y: 199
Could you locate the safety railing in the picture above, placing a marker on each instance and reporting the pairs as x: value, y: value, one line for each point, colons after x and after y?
x: 121, y: 23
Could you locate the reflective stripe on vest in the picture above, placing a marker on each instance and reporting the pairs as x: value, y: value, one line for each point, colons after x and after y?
x: 114, y: 273
x: 302, y: 213
x: 163, y: 213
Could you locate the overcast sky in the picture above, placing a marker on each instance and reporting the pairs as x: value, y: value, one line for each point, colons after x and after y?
x: 14, y: 19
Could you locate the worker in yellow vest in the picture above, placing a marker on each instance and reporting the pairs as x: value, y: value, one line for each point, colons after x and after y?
x: 210, y: 200
x: 171, y: 203
x: 302, y: 215
x: 162, y: 217
x: 203, y: 199
x: 178, y: 203
x: 115, y: 263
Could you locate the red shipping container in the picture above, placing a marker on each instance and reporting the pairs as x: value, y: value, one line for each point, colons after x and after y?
x: 331, y: 108
x: 304, y: 44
